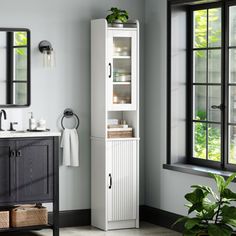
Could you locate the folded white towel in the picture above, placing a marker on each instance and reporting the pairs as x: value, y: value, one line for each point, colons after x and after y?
x: 70, y: 145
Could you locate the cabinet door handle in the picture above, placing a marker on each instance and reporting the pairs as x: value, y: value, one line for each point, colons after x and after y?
x: 12, y: 153
x: 110, y: 70
x: 19, y: 153
x: 110, y: 181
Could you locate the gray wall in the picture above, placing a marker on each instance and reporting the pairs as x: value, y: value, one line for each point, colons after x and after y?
x: 164, y: 189
x: 66, y: 24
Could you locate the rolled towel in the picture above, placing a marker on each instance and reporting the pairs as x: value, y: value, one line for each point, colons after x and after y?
x: 70, y: 145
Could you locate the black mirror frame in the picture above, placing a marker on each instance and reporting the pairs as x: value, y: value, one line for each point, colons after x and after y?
x: 28, y: 68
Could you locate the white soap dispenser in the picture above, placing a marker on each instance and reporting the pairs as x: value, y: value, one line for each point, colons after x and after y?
x: 32, y: 122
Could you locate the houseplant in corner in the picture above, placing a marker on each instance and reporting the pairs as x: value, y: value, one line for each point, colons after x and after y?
x: 117, y: 17
x: 214, y: 213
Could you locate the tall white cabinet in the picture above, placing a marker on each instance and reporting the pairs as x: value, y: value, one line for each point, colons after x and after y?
x: 114, y: 97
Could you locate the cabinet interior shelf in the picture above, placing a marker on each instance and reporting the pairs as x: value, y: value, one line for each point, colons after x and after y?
x: 121, y: 83
x: 121, y: 57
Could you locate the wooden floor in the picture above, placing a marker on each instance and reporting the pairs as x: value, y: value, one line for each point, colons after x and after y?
x: 145, y: 229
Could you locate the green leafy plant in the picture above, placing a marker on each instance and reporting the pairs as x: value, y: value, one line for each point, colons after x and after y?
x: 214, y: 213
x: 117, y: 14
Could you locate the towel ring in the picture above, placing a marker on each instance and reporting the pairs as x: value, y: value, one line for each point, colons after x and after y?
x: 68, y: 113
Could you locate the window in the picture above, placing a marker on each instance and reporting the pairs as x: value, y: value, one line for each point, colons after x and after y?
x: 202, y: 74
x: 206, y: 85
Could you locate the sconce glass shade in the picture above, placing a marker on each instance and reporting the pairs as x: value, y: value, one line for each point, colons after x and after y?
x: 49, y: 59
x: 46, y: 49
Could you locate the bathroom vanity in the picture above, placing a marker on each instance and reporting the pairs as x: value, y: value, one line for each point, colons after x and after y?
x: 29, y: 172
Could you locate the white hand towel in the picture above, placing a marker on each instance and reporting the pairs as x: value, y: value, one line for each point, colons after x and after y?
x: 70, y: 145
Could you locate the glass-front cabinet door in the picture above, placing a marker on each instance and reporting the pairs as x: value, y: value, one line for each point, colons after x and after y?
x: 122, y: 54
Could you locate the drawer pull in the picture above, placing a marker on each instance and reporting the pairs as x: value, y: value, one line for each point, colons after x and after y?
x: 12, y: 153
x: 19, y: 153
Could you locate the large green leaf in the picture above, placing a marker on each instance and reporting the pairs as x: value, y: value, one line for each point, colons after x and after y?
x: 229, y: 221
x: 190, y: 223
x: 219, y: 230
x: 228, y: 211
x: 206, y: 189
x: 196, y: 207
x: 228, y: 194
x: 219, y: 181
x: 230, y: 179
x: 196, y: 196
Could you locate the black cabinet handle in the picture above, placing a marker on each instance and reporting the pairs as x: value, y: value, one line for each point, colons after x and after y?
x: 18, y: 153
x: 110, y: 181
x: 12, y: 153
x: 110, y: 69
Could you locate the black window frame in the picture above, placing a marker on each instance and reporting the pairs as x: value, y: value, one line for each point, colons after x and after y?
x: 225, y: 6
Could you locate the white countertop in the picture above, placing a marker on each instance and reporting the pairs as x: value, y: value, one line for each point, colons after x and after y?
x: 27, y: 134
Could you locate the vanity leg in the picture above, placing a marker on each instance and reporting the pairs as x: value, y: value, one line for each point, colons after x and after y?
x: 56, y: 188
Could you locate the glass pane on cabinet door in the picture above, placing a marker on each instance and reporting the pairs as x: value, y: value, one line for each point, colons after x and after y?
x: 121, y: 46
x: 122, y: 70
x: 122, y: 94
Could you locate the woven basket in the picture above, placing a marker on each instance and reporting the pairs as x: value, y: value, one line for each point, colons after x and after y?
x: 119, y: 134
x: 4, y: 219
x: 29, y: 216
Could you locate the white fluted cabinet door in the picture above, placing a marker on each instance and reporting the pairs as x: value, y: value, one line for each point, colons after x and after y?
x: 122, y: 196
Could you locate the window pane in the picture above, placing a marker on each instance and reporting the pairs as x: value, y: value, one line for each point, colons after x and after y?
x: 232, y: 65
x: 232, y: 26
x: 214, y: 98
x: 232, y: 104
x: 199, y: 140
x: 199, y: 102
x: 20, y: 64
x: 199, y: 66
x: 214, y: 27
x: 20, y: 38
x: 214, y: 142
x: 232, y: 145
x: 214, y: 66
x: 200, y: 29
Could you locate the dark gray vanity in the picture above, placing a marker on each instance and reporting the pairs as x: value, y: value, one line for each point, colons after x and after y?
x: 29, y: 170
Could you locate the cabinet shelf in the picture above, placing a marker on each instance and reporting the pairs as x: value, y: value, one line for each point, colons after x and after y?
x: 121, y: 57
x: 121, y: 83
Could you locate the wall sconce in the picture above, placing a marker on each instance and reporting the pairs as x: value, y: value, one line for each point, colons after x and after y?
x: 45, y: 47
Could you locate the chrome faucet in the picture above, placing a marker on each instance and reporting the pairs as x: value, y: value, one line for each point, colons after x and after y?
x: 2, y: 112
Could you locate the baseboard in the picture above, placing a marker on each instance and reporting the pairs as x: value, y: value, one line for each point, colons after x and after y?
x: 160, y: 217
x: 73, y: 218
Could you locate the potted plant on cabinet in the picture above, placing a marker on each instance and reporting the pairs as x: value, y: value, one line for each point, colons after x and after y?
x: 117, y: 17
x: 214, y: 213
